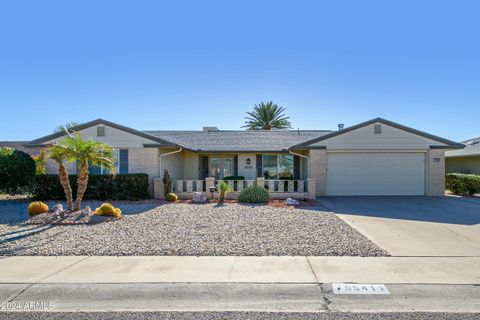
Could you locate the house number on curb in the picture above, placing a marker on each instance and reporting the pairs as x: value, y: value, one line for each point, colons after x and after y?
x: 359, y: 288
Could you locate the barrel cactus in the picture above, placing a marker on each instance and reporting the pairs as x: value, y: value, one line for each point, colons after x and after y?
x: 106, y: 209
x: 171, y: 197
x: 37, y: 207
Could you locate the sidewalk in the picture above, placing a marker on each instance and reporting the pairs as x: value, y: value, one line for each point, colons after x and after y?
x: 280, y: 270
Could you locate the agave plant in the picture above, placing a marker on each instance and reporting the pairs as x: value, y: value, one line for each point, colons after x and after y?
x: 223, y: 188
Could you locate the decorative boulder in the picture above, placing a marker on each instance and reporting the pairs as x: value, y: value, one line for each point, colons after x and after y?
x: 58, y: 207
x: 87, y: 211
x: 199, y: 197
x: 292, y: 202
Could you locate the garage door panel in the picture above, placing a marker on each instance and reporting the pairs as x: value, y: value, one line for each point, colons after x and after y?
x: 376, y: 174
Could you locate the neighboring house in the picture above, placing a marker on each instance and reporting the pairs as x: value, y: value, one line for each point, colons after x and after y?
x: 464, y: 160
x: 377, y: 157
x: 20, y: 146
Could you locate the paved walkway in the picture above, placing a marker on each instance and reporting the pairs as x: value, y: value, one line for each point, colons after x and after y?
x: 307, y: 270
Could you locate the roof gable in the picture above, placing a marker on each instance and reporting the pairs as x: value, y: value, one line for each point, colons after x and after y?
x: 435, y: 140
x: 96, y: 122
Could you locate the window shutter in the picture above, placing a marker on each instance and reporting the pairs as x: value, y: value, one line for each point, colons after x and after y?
x: 123, y: 161
x: 259, y: 166
x: 204, y: 167
x: 235, y: 165
x: 296, y: 167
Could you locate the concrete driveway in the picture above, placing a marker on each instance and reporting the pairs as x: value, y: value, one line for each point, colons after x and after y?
x: 414, y: 226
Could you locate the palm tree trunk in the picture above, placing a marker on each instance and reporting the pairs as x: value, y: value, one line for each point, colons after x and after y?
x: 65, y: 182
x: 82, y: 183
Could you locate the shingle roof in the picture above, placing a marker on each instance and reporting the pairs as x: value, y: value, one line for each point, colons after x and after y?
x: 472, y: 149
x: 238, y: 140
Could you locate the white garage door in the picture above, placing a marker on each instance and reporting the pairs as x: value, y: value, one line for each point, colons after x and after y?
x: 376, y: 174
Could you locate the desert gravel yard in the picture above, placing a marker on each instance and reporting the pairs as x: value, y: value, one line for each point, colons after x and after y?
x: 153, y: 228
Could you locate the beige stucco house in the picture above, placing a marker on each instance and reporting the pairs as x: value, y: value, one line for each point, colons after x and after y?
x: 377, y: 157
x: 464, y: 160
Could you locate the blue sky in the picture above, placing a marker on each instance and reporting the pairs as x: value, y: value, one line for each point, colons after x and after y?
x: 184, y: 65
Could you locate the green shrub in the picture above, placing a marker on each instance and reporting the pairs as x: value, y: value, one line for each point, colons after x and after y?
x: 132, y: 186
x: 171, y: 197
x: 463, y: 184
x: 17, y: 171
x: 234, y: 178
x: 253, y: 194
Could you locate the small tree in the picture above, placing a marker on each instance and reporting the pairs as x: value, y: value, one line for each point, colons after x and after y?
x: 85, y: 153
x: 17, y: 171
x: 59, y: 155
x: 167, y: 183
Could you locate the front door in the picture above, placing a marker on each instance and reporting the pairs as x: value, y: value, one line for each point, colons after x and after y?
x: 221, y: 166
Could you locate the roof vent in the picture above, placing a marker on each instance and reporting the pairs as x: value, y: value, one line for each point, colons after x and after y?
x: 340, y: 126
x: 210, y: 129
x: 100, y: 131
x: 377, y: 129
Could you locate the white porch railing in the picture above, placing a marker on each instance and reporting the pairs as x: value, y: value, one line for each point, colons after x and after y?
x: 278, y: 189
x: 285, y: 186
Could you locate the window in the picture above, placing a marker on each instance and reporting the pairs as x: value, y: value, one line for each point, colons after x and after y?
x: 377, y: 129
x: 123, y: 161
x: 227, y: 167
x: 215, y: 167
x: 100, y: 131
x: 270, y: 167
x: 285, y: 167
x: 278, y: 167
x: 121, y: 164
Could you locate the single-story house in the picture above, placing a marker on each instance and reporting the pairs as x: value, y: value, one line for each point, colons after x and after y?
x: 20, y: 146
x: 376, y: 157
x: 464, y: 160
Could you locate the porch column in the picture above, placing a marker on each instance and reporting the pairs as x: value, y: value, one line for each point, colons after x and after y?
x: 209, y: 183
x: 261, y: 182
x: 311, y: 188
x: 158, y: 189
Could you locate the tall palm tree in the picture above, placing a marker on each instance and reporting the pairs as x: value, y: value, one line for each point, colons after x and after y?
x: 59, y: 155
x: 85, y: 152
x: 267, y: 116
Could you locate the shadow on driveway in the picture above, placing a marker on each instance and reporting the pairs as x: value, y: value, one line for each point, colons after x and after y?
x: 462, y: 211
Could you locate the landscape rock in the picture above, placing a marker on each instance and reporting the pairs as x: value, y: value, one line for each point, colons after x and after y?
x: 293, y: 202
x: 199, y: 197
x: 191, y: 230
x: 58, y: 208
x: 87, y: 211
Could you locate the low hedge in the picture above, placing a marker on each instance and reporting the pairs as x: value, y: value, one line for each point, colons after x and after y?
x: 463, y: 184
x: 234, y: 178
x: 100, y: 187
